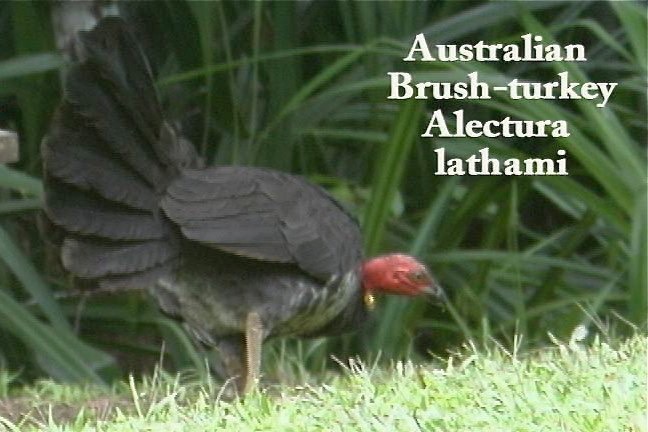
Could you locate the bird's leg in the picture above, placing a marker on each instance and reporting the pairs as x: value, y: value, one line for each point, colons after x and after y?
x: 253, y: 342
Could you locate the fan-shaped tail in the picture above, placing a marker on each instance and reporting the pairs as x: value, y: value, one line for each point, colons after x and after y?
x: 108, y: 157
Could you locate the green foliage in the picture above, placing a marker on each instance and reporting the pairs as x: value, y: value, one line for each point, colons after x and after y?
x: 302, y: 87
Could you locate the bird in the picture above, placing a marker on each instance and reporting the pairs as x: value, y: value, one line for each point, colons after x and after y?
x: 237, y: 254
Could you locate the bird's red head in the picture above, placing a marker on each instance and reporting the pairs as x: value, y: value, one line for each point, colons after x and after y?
x: 398, y: 274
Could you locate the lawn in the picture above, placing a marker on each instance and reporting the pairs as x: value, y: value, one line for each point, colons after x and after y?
x: 601, y: 387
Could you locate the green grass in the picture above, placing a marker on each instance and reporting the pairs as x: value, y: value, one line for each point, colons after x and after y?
x: 566, y: 387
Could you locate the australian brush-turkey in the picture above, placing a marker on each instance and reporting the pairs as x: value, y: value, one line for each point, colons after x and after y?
x: 238, y: 254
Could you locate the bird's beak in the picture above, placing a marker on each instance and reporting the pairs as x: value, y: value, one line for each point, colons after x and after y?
x: 435, y: 293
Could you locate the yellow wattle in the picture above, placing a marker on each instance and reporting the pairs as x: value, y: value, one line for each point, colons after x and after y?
x: 370, y: 301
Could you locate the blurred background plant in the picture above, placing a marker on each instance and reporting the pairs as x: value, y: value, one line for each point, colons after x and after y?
x: 302, y: 86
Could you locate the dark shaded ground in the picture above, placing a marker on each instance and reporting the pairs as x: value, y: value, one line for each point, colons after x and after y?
x: 23, y: 410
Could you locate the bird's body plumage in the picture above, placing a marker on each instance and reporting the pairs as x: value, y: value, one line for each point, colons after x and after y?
x: 213, y: 292
x: 211, y: 244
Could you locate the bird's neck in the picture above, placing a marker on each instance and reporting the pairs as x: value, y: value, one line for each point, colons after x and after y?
x: 371, y: 278
x: 374, y: 272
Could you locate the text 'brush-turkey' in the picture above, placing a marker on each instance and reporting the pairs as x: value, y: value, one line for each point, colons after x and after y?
x: 238, y: 254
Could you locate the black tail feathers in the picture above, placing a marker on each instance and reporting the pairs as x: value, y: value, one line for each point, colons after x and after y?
x: 108, y: 157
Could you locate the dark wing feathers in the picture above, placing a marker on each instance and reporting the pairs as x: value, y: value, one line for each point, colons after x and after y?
x: 318, y: 254
x: 86, y: 213
x: 266, y: 215
x: 91, y: 258
x: 272, y: 252
x: 142, y: 278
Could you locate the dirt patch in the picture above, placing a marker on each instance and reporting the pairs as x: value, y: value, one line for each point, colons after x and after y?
x: 22, y: 411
